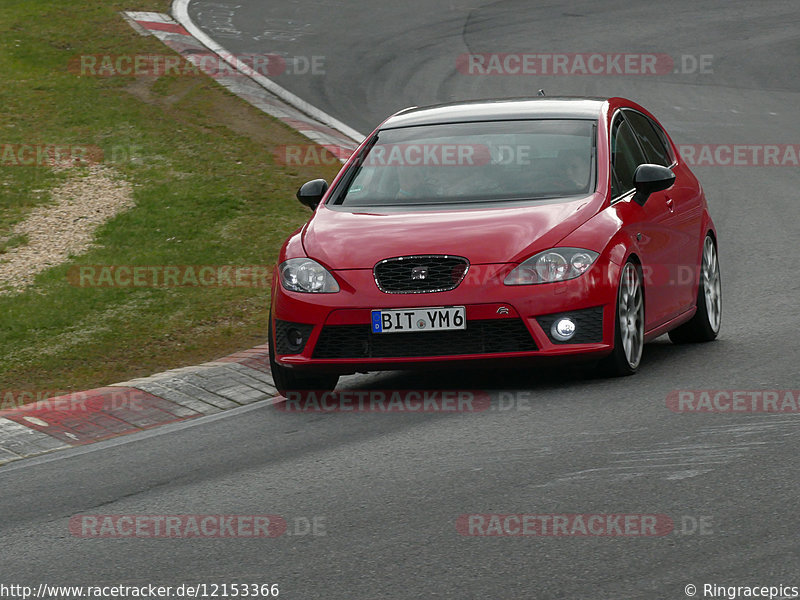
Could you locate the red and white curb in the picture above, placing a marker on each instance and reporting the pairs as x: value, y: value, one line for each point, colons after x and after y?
x: 86, y: 417
x: 239, y: 379
x: 193, y: 44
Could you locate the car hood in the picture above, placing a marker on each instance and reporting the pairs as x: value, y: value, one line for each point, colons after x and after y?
x: 357, y: 240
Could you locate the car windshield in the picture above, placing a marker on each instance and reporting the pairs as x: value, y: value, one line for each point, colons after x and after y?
x: 458, y: 163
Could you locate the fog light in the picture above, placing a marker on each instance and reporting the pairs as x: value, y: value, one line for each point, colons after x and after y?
x: 563, y: 329
x: 294, y: 339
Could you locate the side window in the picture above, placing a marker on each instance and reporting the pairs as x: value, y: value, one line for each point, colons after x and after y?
x: 625, y: 156
x: 650, y: 138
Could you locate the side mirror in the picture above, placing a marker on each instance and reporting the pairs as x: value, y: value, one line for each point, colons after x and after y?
x: 310, y: 194
x: 651, y: 178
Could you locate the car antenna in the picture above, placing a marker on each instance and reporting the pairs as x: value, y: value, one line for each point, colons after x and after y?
x: 540, y: 93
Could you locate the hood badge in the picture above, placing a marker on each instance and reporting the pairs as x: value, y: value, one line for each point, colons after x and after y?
x: 502, y: 310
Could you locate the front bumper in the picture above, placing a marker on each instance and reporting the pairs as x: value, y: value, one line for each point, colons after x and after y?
x: 504, y: 323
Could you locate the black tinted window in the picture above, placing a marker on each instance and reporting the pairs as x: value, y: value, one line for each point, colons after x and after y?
x: 625, y: 156
x: 649, y: 138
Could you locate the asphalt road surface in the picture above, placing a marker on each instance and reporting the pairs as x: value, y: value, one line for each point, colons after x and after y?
x: 387, y: 490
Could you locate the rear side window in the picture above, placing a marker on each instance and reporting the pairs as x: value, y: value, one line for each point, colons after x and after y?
x: 650, y: 137
x: 626, y: 155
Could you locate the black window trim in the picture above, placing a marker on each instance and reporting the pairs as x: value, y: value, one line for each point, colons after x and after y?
x: 620, y: 112
x: 657, y: 128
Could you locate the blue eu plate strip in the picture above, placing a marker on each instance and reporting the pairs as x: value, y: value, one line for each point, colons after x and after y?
x: 377, y: 325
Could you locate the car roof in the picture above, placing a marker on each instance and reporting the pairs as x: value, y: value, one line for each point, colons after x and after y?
x: 498, y: 110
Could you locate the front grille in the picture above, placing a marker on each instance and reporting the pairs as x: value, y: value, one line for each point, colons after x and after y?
x: 588, y: 322
x: 420, y: 274
x: 491, y: 336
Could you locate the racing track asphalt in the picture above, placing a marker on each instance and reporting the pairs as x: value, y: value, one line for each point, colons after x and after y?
x: 391, y: 487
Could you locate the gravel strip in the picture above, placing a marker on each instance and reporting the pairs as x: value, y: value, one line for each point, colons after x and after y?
x: 65, y: 228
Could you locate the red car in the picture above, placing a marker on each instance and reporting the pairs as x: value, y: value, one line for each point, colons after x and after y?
x: 503, y: 230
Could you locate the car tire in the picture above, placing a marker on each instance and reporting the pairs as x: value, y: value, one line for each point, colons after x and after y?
x: 704, y: 325
x: 626, y: 356
x: 287, y: 380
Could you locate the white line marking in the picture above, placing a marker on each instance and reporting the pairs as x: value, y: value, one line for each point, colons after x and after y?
x: 180, y: 10
x: 136, y: 27
x: 152, y: 17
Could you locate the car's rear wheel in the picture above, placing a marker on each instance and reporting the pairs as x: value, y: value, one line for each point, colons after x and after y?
x: 629, y: 325
x: 704, y: 325
x: 288, y: 380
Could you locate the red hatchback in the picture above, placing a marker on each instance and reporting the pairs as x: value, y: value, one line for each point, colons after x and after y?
x: 500, y: 230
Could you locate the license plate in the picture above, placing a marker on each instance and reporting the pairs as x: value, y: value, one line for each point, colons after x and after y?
x: 408, y: 320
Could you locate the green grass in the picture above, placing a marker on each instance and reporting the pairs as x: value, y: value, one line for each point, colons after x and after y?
x: 206, y: 191
x: 13, y: 241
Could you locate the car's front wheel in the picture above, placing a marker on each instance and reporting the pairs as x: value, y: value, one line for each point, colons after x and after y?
x: 629, y: 325
x: 704, y: 325
x: 288, y: 380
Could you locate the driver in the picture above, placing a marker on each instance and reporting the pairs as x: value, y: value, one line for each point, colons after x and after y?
x: 412, y: 182
x: 576, y: 170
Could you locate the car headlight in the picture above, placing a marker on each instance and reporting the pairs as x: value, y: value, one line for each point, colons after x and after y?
x: 558, y: 264
x: 306, y: 275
